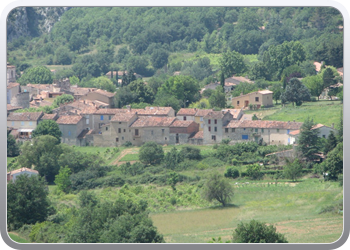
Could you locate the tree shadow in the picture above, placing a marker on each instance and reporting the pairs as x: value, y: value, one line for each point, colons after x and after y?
x: 220, y: 207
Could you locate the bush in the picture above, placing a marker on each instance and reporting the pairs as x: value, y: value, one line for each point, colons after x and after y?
x: 257, y: 232
x: 190, y: 153
x: 151, y: 153
x: 254, y: 171
x: 113, y: 181
x: 127, y: 144
x: 231, y: 173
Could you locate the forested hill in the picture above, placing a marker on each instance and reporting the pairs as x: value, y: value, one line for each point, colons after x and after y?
x: 122, y: 37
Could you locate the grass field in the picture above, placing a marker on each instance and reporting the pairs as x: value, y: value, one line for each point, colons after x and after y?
x: 130, y: 157
x: 109, y: 157
x: 294, y: 210
x: 325, y: 112
x: 18, y: 239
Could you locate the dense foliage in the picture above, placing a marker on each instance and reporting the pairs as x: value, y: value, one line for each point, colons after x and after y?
x: 47, y: 127
x: 217, y: 187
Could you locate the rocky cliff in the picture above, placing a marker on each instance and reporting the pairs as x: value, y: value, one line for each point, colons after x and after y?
x: 32, y: 21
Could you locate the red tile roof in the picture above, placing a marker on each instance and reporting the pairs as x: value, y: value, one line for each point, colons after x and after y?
x: 234, y: 112
x: 21, y: 170
x: 187, y: 111
x: 123, y: 117
x: 198, y: 135
x: 27, y: 116
x: 215, y: 115
x: 296, y: 132
x: 9, y: 107
x: 264, y: 124
x: 203, y: 112
x: 69, y: 119
x: 154, y: 111
x: 110, y: 111
x: 49, y: 117
x: 182, y: 124
x: 153, y: 122
x: 12, y: 85
x: 105, y: 93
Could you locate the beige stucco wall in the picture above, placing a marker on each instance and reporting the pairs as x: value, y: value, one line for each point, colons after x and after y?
x: 265, y: 100
x: 20, y: 125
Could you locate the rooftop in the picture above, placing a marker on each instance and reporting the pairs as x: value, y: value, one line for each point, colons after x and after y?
x: 319, y: 125
x: 105, y: 93
x: 123, y: 117
x: 183, y: 124
x: 153, y: 122
x: 198, y: 135
x: 9, y: 107
x: 12, y: 85
x: 264, y: 124
x: 21, y: 170
x: 187, y: 111
x: 49, y: 117
x: 203, y: 112
x: 69, y: 119
x: 215, y: 115
x: 27, y: 116
x: 234, y: 112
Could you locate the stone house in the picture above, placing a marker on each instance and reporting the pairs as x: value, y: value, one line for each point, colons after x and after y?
x: 257, y: 99
x: 181, y: 131
x: 12, y: 175
x: 100, y: 96
x: 11, y: 73
x: 271, y: 132
x: 214, y: 122
x: 323, y: 132
x: 25, y: 123
x: 155, y: 129
x: 53, y: 117
x: 73, y: 128
x: 199, y: 117
x: 102, y: 117
x: 154, y: 111
x: 185, y: 114
x: 12, y: 90
x: 236, y: 113
x: 197, y: 138
x: 117, y: 131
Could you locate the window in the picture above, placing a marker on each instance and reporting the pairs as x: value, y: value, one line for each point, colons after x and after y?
x: 288, y: 131
x: 123, y: 138
x: 244, y: 137
x: 324, y: 136
x: 12, y: 123
x: 256, y: 130
x: 209, y: 121
x: 69, y: 133
x: 237, y: 102
x: 119, y: 130
x: 256, y: 99
x: 87, y: 120
x: 213, y: 137
x: 233, y: 130
x: 201, y: 119
x: 120, y: 123
x: 106, y: 128
x: 109, y: 117
x: 101, y: 117
x: 226, y: 130
x: 22, y: 123
x: 215, y: 129
x: 30, y: 123
x: 185, y: 118
x: 151, y: 132
x: 166, y: 138
x: 262, y: 130
x: 244, y: 129
x: 278, y: 130
x: 124, y: 130
x: 136, y: 132
x: 117, y: 139
x: 215, y: 121
x: 209, y: 129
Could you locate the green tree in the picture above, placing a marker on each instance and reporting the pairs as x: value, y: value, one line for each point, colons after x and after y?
x: 171, y: 159
x: 217, y: 187
x: 257, y: 232
x: 104, y: 83
x: 293, y: 170
x: 12, y: 146
x: 333, y: 165
x: 231, y: 63
x: 42, y: 153
x: 295, y: 92
x: 27, y: 201
x: 74, y: 80
x: 328, y: 77
x: 143, y: 92
x: 62, y: 99
x: 254, y: 171
x: 330, y: 143
x: 151, y: 153
x: 63, y: 56
x: 277, y: 91
x: 47, y: 127
x: 40, y: 74
x: 218, y: 98
x: 314, y: 84
x: 308, y: 140
x: 159, y: 58
x: 62, y: 179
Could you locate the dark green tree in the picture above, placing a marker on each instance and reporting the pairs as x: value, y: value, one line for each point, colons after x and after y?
x: 277, y: 91
x: 172, y: 158
x: 47, y: 127
x: 314, y: 84
x: 218, y: 98
x: 217, y: 187
x: 257, y: 232
x: 308, y: 140
x: 293, y: 170
x: 40, y: 74
x: 62, y: 179
x: 333, y: 165
x: 159, y: 58
x: 63, y: 56
x: 12, y: 146
x: 27, y: 201
x: 151, y: 153
x: 330, y: 143
x: 295, y: 92
x: 173, y: 179
x: 328, y: 77
x: 231, y: 63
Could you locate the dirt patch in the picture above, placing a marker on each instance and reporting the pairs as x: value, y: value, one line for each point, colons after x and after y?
x: 123, y: 153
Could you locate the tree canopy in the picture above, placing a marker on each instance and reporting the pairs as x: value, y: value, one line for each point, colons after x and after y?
x: 40, y: 74
x: 47, y: 127
x: 151, y: 153
x: 308, y: 140
x: 217, y: 187
x: 295, y: 92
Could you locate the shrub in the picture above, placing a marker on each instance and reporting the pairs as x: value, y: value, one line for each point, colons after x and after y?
x: 113, y: 181
x: 231, y: 173
x: 190, y: 153
x: 257, y: 232
x: 254, y: 171
x: 151, y: 153
x: 127, y: 144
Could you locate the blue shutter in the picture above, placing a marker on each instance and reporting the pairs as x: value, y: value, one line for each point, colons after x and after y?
x: 288, y: 131
x: 101, y: 117
x: 244, y: 137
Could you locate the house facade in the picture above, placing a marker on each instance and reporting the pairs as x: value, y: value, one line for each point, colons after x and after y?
x: 73, y: 128
x: 270, y: 132
x: 186, y: 114
x: 25, y: 123
x: 214, y: 122
x: 323, y: 132
x: 12, y: 175
x: 257, y: 99
x: 101, y: 96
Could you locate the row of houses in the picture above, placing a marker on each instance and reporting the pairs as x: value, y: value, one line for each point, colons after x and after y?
x: 82, y: 123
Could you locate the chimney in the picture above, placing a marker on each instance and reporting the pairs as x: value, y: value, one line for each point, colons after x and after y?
x: 128, y: 107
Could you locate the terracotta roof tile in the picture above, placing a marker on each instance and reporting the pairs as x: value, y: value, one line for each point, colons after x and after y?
x: 69, y: 119
x: 49, y: 117
x: 105, y: 93
x: 183, y: 124
x: 264, y: 124
x: 187, y: 111
x: 12, y: 85
x: 27, y: 116
x: 203, y: 112
x: 110, y: 111
x: 234, y: 112
x: 215, y: 115
x: 198, y: 135
x: 296, y: 132
x: 153, y: 122
x: 21, y: 170
x: 9, y: 107
x: 160, y: 111
x: 123, y: 117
